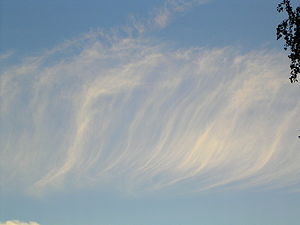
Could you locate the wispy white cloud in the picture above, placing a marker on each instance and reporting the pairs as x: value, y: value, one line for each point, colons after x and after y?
x: 135, y: 114
x: 17, y: 222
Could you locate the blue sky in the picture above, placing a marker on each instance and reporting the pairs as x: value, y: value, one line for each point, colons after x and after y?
x: 146, y: 112
x: 34, y: 25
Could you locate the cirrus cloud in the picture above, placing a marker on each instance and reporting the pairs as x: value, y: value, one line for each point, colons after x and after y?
x: 137, y: 115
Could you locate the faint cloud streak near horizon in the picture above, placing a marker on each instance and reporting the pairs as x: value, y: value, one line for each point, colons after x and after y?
x: 17, y: 222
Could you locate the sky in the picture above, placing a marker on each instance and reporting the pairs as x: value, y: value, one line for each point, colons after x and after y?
x: 146, y: 113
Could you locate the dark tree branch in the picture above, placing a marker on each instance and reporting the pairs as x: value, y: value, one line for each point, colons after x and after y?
x: 289, y: 30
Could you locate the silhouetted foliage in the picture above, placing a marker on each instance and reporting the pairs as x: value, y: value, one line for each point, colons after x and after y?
x: 289, y: 29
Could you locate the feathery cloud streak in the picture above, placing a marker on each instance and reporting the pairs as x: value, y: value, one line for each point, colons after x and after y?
x: 141, y: 116
x: 160, y: 17
x: 163, y: 15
